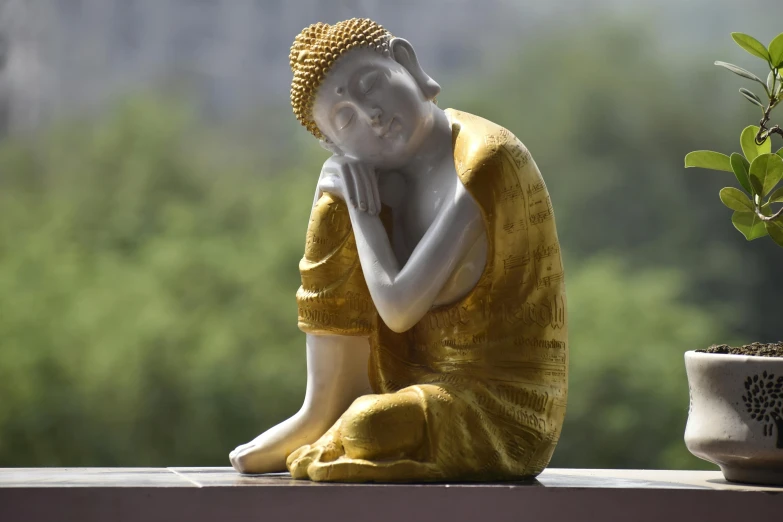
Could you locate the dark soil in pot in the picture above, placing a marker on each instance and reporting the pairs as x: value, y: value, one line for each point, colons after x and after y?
x: 759, y: 349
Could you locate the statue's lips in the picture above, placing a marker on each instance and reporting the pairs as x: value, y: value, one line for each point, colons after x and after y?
x: 388, y: 128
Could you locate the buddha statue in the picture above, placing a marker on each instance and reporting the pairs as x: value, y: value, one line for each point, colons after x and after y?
x: 432, y: 297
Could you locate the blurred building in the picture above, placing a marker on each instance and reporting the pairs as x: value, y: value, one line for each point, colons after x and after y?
x: 73, y: 55
x: 21, y: 67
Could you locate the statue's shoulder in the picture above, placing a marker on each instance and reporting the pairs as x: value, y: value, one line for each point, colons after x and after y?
x: 479, y: 143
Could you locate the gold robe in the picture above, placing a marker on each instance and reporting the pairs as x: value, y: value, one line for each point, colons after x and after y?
x: 490, y: 370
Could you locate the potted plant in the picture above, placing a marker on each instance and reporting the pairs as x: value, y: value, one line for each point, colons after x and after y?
x: 736, y: 394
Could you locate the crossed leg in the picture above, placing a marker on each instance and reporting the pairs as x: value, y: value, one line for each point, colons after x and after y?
x: 379, y: 438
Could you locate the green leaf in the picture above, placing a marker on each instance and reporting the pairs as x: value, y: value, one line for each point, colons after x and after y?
x: 771, y: 81
x: 775, y: 230
x: 749, y: 224
x: 751, y: 45
x: 776, y: 196
x: 752, y: 98
x: 740, y: 167
x: 773, y: 179
x: 758, y: 186
x: 768, y: 170
x: 776, y: 50
x: 748, y: 143
x: 740, y: 71
x: 708, y: 159
x: 779, y: 152
x: 735, y: 199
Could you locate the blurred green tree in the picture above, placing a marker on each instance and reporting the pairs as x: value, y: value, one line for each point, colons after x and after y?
x: 148, y: 263
x: 608, y: 114
x: 628, y: 394
x: 147, y: 309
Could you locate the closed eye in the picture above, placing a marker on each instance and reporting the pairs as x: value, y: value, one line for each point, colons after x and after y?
x: 344, y: 118
x: 368, y: 81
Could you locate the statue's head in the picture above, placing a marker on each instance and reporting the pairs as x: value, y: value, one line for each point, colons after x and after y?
x: 362, y: 92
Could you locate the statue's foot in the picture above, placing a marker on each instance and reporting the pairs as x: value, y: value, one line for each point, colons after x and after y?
x: 379, y: 438
x: 336, y: 376
x: 267, y: 453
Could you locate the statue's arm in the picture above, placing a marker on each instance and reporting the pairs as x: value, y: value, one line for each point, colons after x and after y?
x: 403, y: 295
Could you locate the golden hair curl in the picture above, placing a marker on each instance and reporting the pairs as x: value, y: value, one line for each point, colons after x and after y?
x: 316, y: 49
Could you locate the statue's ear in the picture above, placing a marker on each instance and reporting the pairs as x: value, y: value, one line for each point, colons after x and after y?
x: 331, y: 147
x: 403, y: 53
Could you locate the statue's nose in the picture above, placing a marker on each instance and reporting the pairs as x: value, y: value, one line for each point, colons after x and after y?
x: 375, y: 114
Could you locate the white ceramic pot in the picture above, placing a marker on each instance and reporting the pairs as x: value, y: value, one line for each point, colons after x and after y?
x: 736, y: 415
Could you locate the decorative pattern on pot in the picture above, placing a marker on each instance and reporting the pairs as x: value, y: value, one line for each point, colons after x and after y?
x: 764, y: 401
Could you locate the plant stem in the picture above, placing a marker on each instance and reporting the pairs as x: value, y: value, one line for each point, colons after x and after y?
x: 763, y: 134
x: 773, y: 217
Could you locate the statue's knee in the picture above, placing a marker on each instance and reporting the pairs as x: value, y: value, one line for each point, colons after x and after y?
x: 383, y: 426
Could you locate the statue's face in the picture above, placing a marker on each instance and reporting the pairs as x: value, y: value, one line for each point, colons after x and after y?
x: 372, y: 109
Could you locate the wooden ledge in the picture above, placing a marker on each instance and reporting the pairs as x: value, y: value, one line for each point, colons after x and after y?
x: 196, y: 494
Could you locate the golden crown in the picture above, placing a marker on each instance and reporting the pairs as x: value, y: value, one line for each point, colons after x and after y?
x: 316, y: 49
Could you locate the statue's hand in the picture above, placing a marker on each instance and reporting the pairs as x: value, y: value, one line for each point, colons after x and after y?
x: 353, y: 181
